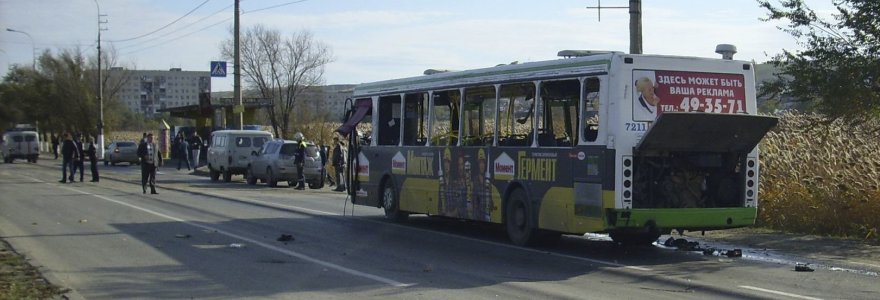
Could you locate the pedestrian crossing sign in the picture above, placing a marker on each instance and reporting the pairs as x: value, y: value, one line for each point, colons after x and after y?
x: 218, y: 69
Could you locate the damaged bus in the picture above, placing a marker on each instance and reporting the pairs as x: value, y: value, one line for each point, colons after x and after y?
x: 630, y: 145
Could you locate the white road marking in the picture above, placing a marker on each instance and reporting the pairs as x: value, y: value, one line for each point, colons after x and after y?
x: 251, y: 241
x: 778, y: 293
x: 308, y: 210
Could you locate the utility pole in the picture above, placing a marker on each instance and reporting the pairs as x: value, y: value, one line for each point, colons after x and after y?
x: 100, y: 87
x: 635, y: 23
x: 238, y: 107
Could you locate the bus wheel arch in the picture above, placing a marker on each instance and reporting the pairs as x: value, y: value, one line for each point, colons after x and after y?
x: 390, y: 200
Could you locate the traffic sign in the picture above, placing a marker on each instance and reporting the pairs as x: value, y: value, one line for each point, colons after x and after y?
x: 218, y: 69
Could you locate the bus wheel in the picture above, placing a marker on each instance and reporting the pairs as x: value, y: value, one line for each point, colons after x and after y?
x: 391, y: 203
x: 518, y: 220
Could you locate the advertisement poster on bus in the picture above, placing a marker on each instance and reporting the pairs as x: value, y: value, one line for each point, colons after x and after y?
x: 658, y: 91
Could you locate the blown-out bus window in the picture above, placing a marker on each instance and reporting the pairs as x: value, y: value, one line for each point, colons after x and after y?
x: 478, y: 114
x: 415, y: 119
x: 558, y: 125
x: 516, y: 107
x: 389, y: 120
x: 445, y: 124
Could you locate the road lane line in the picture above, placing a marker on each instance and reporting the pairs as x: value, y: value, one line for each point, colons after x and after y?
x: 778, y: 293
x: 252, y: 241
x: 504, y: 245
x: 509, y: 246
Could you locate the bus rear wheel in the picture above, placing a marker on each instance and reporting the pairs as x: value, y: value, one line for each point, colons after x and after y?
x: 518, y: 220
x: 391, y: 203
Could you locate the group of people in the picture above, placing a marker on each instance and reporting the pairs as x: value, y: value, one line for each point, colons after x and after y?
x: 187, y: 150
x: 74, y: 154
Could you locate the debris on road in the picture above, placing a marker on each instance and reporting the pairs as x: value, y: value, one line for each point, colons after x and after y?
x: 183, y: 236
x: 83, y: 221
x: 236, y: 245
x: 802, y: 267
x: 285, y: 238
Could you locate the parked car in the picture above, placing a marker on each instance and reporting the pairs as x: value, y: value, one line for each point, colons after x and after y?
x: 20, y: 144
x: 121, y: 151
x: 230, y: 151
x: 273, y: 163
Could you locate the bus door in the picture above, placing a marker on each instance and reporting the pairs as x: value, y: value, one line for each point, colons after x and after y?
x: 592, y: 160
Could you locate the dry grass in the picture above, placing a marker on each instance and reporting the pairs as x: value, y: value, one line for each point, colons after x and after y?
x: 821, y: 178
x: 20, y: 280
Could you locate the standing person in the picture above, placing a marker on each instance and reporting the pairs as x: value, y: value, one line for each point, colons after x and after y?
x: 182, y: 150
x: 68, y: 154
x: 54, y: 140
x: 150, y: 158
x: 79, y: 163
x: 339, y: 163
x: 299, y: 160
x: 322, y: 150
x: 92, y: 154
x: 195, y: 145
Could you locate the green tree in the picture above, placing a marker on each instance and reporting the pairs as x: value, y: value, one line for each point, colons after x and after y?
x: 838, y: 70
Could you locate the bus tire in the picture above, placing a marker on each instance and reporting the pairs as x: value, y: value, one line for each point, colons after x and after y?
x: 391, y: 203
x: 518, y: 220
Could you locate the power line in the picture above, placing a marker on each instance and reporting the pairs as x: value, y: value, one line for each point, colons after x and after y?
x: 204, y: 28
x: 274, y: 6
x: 176, y: 30
x: 163, y: 27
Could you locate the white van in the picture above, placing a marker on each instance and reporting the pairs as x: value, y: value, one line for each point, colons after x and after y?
x: 230, y: 151
x: 20, y: 144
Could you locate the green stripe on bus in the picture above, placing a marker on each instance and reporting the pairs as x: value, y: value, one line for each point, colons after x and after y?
x: 685, y: 218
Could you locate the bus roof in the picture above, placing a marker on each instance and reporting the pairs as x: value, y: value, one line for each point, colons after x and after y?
x: 566, y: 67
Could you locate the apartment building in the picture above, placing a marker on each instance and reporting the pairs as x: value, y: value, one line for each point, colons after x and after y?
x: 146, y: 91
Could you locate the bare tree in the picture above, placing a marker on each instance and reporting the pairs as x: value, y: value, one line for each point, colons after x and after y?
x: 280, y: 69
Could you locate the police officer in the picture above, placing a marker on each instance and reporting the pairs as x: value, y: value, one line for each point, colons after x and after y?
x: 299, y: 160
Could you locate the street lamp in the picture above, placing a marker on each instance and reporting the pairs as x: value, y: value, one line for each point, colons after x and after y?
x: 33, y: 46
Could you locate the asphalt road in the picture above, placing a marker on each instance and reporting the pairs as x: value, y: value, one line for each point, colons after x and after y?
x: 199, y: 239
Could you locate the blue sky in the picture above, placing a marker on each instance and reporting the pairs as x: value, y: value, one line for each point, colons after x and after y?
x: 385, y: 39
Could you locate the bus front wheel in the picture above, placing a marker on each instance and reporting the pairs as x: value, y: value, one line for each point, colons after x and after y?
x: 391, y: 203
x: 518, y: 220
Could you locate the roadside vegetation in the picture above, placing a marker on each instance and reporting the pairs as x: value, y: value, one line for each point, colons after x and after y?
x: 20, y: 280
x: 821, y: 177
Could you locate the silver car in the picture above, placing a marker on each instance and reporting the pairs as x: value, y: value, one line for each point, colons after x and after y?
x: 313, y: 167
x: 273, y: 163
x: 121, y: 151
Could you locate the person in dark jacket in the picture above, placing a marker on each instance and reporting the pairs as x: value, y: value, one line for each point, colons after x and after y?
x: 182, y: 147
x: 79, y: 162
x: 55, y: 145
x: 92, y: 154
x: 339, y: 163
x: 195, y: 145
x: 68, y: 154
x: 151, y: 157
